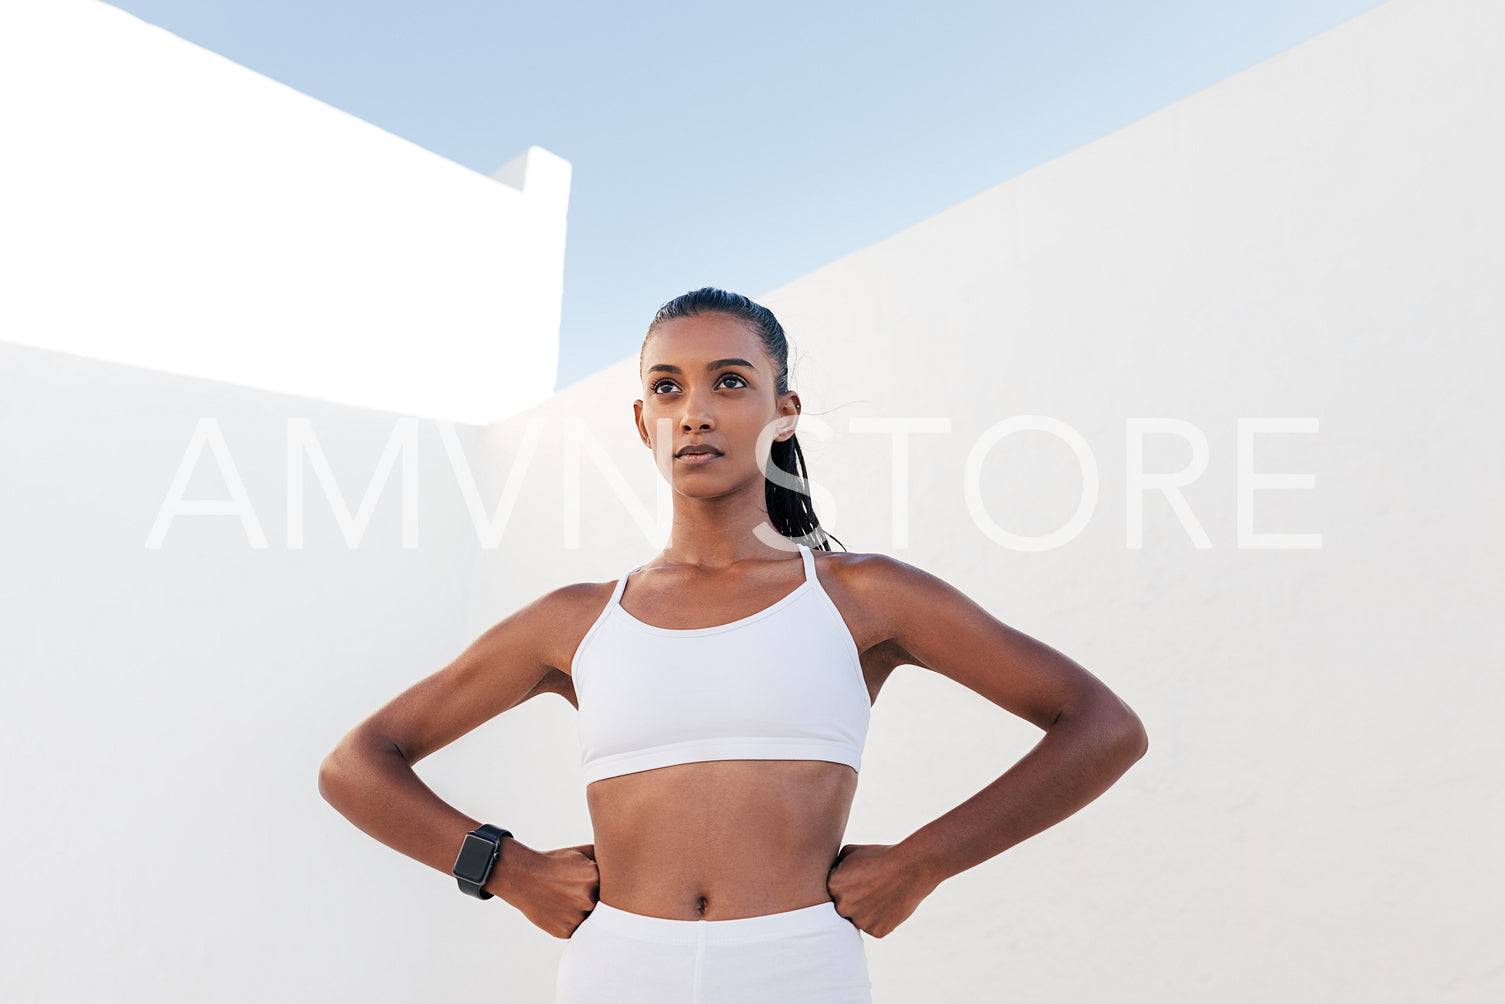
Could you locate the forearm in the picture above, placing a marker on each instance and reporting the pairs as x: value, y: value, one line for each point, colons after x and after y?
x: 1080, y: 756
x: 372, y: 785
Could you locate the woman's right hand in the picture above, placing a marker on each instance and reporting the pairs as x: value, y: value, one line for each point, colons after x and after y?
x: 554, y: 889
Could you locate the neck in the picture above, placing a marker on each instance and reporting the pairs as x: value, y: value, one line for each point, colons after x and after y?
x: 718, y: 533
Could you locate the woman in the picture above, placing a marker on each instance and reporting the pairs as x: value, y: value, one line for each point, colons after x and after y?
x: 724, y: 688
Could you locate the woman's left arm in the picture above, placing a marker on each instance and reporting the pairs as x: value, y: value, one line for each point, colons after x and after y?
x: 1091, y: 738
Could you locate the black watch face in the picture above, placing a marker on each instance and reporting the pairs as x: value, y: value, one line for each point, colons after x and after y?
x: 475, y: 858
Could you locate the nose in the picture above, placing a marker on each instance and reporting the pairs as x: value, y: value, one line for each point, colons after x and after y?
x: 696, y: 416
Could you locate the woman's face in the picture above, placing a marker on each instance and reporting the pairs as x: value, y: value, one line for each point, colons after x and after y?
x: 707, y: 381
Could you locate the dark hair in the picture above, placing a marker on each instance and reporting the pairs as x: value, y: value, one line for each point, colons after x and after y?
x: 789, y: 508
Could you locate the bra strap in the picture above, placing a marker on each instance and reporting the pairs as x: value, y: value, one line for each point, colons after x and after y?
x: 616, y: 595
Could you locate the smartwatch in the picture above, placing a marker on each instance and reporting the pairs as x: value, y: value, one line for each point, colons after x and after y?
x: 478, y: 855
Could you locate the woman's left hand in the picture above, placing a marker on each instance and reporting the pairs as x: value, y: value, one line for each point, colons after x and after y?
x: 876, y: 887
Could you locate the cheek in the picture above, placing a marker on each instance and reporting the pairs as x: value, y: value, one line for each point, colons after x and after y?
x: 660, y: 426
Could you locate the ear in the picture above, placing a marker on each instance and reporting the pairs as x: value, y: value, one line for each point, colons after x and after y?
x: 637, y: 417
x: 789, y: 411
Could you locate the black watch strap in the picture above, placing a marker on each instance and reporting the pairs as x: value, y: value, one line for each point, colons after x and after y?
x: 479, y: 863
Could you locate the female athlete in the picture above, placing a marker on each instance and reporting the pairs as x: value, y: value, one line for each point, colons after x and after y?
x: 723, y: 688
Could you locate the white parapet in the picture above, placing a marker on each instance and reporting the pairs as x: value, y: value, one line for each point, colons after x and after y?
x: 167, y: 208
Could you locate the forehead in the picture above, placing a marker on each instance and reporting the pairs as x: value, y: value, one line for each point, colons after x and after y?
x: 691, y: 342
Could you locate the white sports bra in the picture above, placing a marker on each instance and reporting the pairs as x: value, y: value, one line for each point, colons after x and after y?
x: 784, y: 683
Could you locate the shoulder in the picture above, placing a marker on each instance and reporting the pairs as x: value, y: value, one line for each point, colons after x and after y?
x: 902, y: 604
x: 571, y: 605
x: 557, y: 620
x: 880, y: 596
x: 872, y: 575
x: 577, y: 596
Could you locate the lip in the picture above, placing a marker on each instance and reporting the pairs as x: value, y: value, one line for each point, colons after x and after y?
x: 696, y: 459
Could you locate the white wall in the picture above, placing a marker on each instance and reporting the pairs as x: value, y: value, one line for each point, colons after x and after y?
x: 164, y: 710
x: 1316, y: 818
x: 167, y: 208
x: 1315, y: 239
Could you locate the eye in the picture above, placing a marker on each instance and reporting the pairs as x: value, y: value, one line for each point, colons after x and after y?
x: 733, y: 376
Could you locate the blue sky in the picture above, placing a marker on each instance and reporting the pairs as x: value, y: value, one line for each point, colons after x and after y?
x: 743, y: 146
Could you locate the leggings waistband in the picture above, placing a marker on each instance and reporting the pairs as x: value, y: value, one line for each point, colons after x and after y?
x: 804, y: 920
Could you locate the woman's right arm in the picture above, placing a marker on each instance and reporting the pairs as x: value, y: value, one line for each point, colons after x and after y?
x: 369, y: 776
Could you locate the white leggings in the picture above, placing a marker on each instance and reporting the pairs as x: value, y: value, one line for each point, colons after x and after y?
x: 812, y: 955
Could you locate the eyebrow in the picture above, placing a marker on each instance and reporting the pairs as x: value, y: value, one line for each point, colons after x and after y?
x: 716, y: 365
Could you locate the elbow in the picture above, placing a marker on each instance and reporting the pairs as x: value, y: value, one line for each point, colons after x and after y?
x: 338, y: 768
x: 1114, y: 723
x: 330, y: 773
x: 351, y: 763
x: 1125, y: 731
x: 1133, y: 737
